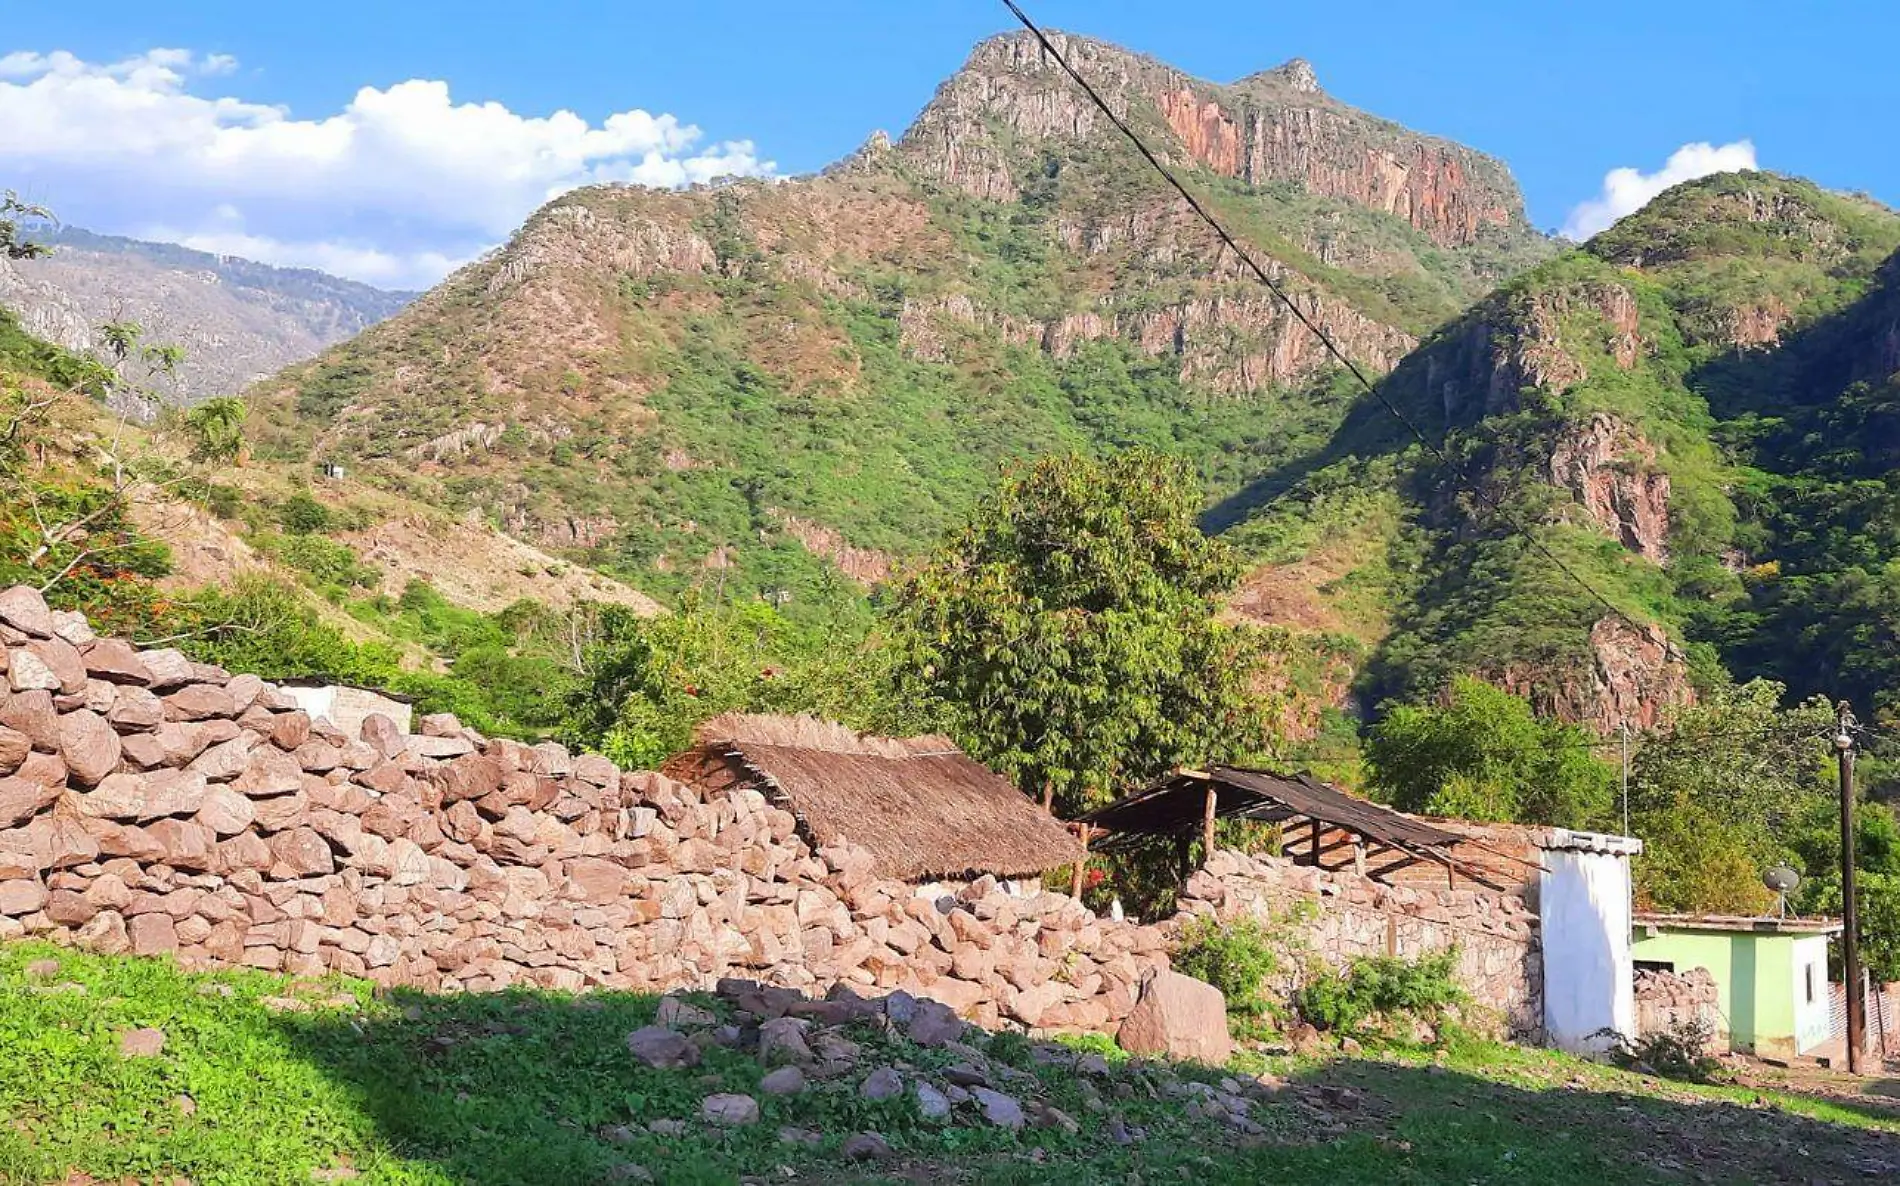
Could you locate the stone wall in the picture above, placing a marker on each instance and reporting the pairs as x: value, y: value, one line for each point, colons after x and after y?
x: 153, y: 805
x: 1669, y: 1002
x: 1500, y: 960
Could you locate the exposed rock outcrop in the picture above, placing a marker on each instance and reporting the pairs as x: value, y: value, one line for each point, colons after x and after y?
x: 1234, y: 345
x: 1634, y: 677
x: 1277, y: 125
x: 1610, y: 469
x: 1519, y: 340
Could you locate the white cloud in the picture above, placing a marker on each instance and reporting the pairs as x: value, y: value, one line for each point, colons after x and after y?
x: 396, y: 188
x: 1626, y: 190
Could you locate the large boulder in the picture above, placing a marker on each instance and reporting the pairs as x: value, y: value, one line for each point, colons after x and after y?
x: 1179, y: 1017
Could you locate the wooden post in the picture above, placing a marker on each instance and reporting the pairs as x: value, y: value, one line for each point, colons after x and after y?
x: 1207, y: 823
x: 1049, y: 795
x: 1359, y: 854
x: 1075, y: 890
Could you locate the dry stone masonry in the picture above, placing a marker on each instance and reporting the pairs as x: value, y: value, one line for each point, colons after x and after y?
x: 154, y: 805
x: 1500, y: 960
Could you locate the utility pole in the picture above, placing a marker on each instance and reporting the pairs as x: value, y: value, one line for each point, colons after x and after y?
x: 1625, y: 727
x: 1850, y: 914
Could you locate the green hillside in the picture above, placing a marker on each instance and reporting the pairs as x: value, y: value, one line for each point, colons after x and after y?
x: 1693, y: 411
x: 745, y: 381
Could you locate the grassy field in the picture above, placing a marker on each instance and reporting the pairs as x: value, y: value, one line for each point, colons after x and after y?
x: 265, y: 1080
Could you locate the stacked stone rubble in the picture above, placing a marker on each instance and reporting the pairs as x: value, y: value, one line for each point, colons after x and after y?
x: 1500, y: 960
x: 1678, y: 1003
x: 151, y: 804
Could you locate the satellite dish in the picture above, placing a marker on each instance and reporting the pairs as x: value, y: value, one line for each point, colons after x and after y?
x: 1781, y: 879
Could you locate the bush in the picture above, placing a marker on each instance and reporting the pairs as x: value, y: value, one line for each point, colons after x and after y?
x: 1678, y: 1052
x: 1235, y: 957
x: 303, y: 515
x: 327, y: 561
x: 1382, y: 988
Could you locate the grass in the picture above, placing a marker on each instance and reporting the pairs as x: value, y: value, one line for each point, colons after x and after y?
x: 267, y: 1080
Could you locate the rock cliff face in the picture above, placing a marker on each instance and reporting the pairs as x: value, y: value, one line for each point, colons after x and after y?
x: 1633, y: 678
x: 1610, y: 469
x: 1277, y: 125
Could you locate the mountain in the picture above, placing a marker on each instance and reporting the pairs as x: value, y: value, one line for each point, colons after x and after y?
x: 1697, y: 412
x: 786, y: 386
x: 237, y: 320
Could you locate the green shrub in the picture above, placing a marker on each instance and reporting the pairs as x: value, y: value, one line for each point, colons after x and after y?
x: 326, y: 560
x: 1235, y: 957
x: 1381, y: 988
x: 303, y: 515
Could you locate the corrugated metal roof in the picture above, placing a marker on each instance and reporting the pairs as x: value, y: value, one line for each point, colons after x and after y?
x: 1177, y: 803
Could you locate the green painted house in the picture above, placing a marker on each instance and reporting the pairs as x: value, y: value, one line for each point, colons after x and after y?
x: 1771, y: 973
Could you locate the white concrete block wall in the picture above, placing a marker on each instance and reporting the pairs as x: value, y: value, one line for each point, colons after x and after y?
x: 1584, y: 906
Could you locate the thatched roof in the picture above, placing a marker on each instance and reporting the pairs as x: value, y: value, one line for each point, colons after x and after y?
x: 921, y: 806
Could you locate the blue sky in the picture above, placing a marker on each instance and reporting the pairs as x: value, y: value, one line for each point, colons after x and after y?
x: 134, y: 142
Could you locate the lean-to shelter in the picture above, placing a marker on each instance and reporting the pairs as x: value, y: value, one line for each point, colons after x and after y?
x: 1320, y: 825
x: 922, y: 807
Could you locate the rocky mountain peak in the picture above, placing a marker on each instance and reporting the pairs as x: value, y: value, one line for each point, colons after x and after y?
x: 995, y: 125
x: 1295, y: 74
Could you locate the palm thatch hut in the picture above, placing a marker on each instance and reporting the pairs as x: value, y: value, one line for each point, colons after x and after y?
x: 922, y: 807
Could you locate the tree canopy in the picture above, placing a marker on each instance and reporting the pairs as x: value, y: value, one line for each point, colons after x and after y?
x: 1069, y: 629
x: 1483, y: 754
x: 1716, y: 794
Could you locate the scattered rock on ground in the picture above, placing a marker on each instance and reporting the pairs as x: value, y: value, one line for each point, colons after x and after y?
x: 931, y: 1103
x: 882, y: 1084
x: 729, y: 1109
x: 998, y: 1108
x: 786, y: 1080
x: 866, y: 1146
x: 933, y: 1024
x: 662, y: 1048
x: 1180, y: 1017
x: 141, y: 1043
x: 677, y: 1014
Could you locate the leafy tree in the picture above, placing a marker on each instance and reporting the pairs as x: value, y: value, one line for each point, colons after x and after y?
x: 264, y: 626
x: 1483, y: 754
x: 1069, y: 629
x: 216, y: 430
x: 1716, y: 794
x: 12, y: 212
x: 646, y: 683
x: 1817, y: 845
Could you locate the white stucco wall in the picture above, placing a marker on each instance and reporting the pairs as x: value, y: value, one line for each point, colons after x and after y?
x: 1584, y: 904
x: 1811, y: 1027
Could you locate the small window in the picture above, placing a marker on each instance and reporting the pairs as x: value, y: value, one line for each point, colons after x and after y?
x: 1654, y: 965
x: 1809, y: 969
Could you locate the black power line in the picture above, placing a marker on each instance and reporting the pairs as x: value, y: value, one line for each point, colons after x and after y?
x: 1325, y: 339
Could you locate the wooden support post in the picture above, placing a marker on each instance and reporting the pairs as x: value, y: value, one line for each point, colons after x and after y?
x: 1315, y: 841
x: 1075, y: 889
x: 1359, y: 855
x: 1207, y: 824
